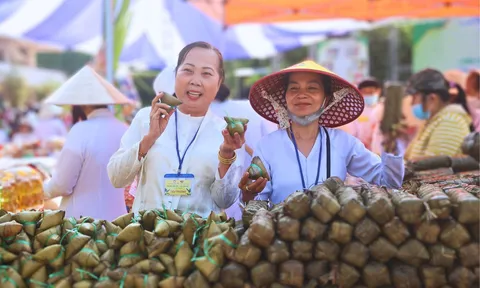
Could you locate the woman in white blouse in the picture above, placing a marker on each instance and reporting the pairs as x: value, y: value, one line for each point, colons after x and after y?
x: 307, y: 101
x: 80, y: 176
x: 185, y: 158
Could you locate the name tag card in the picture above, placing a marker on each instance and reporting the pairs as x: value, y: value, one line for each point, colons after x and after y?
x: 178, y: 184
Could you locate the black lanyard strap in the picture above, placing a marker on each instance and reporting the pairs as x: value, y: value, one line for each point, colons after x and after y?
x: 319, y: 156
x: 328, y: 152
x: 298, y: 158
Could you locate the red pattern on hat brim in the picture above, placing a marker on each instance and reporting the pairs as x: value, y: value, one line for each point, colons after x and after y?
x: 342, y: 113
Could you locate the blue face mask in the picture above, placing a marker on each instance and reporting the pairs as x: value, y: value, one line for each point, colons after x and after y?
x: 418, y: 112
x: 370, y: 100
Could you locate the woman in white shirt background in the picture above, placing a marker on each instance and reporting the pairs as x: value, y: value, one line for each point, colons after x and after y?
x: 257, y: 128
x: 80, y: 176
x: 50, y: 125
x: 185, y: 158
x: 241, y: 108
x: 308, y: 101
x: 25, y: 133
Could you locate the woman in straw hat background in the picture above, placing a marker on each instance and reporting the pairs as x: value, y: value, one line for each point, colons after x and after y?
x: 81, y: 173
x: 307, y: 101
x: 185, y: 158
x: 50, y: 125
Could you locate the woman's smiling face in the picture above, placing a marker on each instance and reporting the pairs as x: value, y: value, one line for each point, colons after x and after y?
x: 305, y: 93
x: 197, y: 81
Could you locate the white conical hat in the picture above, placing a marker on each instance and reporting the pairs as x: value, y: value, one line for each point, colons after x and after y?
x: 165, y: 81
x: 86, y: 87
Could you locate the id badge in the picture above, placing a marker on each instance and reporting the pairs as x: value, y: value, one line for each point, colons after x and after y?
x: 178, y: 184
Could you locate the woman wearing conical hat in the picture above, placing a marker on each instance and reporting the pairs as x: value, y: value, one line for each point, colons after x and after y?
x: 80, y: 177
x: 308, y: 101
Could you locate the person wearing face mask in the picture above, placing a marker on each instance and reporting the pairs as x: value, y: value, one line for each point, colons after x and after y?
x: 447, y: 124
x: 363, y: 127
x: 472, y: 89
x: 185, y: 158
x: 308, y: 101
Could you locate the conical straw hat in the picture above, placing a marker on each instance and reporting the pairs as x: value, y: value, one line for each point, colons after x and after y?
x: 345, y: 105
x: 165, y: 81
x: 86, y: 87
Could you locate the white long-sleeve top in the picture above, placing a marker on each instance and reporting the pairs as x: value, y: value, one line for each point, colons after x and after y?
x: 81, y: 172
x: 348, y: 155
x: 257, y: 128
x: 49, y: 128
x: 210, y: 192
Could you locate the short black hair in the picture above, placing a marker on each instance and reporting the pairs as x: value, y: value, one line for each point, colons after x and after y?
x: 428, y: 80
x: 370, y: 82
x: 223, y: 93
x: 245, y: 92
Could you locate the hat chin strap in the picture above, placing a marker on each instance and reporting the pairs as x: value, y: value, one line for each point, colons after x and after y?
x: 308, y: 119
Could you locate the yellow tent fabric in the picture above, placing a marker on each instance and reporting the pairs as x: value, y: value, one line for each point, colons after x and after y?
x: 268, y: 11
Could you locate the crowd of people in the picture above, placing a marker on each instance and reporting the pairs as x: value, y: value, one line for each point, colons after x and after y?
x: 33, y: 131
x: 306, y: 124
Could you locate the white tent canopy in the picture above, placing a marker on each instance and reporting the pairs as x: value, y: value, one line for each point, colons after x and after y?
x: 159, y: 29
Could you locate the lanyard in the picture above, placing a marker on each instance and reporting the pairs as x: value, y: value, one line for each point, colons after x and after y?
x: 298, y: 158
x: 180, y: 159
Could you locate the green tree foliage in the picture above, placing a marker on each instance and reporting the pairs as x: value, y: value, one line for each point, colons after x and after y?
x: 68, y: 62
x: 379, y: 42
x: 122, y: 23
x: 15, y: 89
x: 44, y: 90
x: 294, y: 56
x: 144, y: 84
